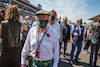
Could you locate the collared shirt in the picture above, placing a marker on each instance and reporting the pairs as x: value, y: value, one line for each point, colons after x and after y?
x: 29, y: 25
x: 49, y: 48
x: 34, y: 24
x: 21, y: 20
x: 56, y: 27
x: 72, y: 28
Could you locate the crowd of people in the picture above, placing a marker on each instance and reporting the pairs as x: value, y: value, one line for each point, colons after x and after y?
x: 41, y: 40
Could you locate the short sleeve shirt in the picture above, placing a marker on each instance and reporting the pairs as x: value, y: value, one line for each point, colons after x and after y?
x: 72, y: 28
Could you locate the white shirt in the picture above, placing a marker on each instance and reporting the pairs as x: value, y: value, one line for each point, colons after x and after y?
x: 72, y: 28
x: 34, y: 24
x: 49, y: 48
x: 21, y: 20
x: 28, y: 24
x: 56, y: 27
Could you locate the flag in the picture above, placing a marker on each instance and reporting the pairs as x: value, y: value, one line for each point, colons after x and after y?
x: 39, y: 6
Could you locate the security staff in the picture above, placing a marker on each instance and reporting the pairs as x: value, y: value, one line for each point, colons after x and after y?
x: 42, y: 43
x: 77, y: 39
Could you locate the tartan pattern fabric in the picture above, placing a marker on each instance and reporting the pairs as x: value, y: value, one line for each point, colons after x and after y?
x: 42, y: 23
x: 33, y: 63
x: 43, y: 12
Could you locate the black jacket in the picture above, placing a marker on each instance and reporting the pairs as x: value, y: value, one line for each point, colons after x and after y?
x: 66, y: 32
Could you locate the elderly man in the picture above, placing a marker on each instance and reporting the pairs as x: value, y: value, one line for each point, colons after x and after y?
x: 28, y: 23
x: 53, y: 23
x: 42, y: 43
x: 77, y: 38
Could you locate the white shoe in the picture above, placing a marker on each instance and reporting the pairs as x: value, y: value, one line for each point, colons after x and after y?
x: 85, y: 51
x: 71, y: 62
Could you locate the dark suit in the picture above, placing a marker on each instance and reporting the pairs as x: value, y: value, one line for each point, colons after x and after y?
x: 66, y: 34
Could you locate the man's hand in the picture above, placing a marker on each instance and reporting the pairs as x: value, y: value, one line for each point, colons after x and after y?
x: 59, y: 40
x: 72, y: 41
x: 82, y: 42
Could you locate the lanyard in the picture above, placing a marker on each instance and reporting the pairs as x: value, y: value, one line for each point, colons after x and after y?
x: 39, y: 42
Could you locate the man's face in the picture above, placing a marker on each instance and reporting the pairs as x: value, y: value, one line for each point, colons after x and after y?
x: 42, y: 20
x: 78, y: 22
x: 53, y: 14
x: 42, y: 17
x: 28, y: 18
x: 65, y: 19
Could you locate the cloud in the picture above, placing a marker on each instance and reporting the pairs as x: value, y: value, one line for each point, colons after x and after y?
x: 70, y: 8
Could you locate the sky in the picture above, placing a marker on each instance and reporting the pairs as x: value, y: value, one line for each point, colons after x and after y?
x: 72, y: 9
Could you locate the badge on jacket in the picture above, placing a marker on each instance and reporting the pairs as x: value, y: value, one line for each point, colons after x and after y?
x: 77, y: 28
x: 75, y: 34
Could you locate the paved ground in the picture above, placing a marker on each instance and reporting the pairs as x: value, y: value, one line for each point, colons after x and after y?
x: 83, y: 58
